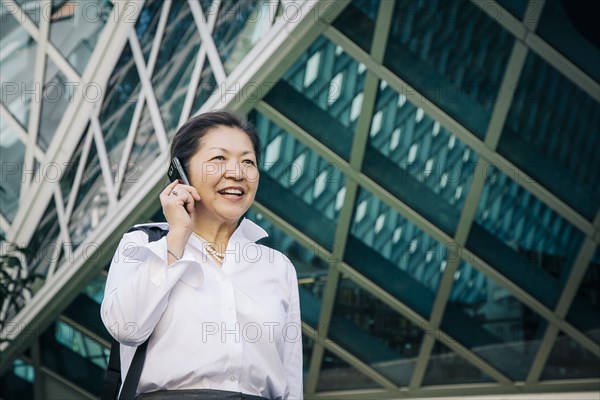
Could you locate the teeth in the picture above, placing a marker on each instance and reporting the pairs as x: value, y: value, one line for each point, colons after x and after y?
x: 231, y: 191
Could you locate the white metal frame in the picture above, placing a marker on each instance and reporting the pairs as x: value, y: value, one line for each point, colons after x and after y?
x: 267, y: 61
x: 56, y: 289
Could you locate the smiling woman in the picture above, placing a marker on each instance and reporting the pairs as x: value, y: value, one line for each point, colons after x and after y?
x: 220, y: 313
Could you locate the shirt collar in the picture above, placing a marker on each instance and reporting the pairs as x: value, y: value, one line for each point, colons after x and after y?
x: 250, y: 231
x: 246, y: 229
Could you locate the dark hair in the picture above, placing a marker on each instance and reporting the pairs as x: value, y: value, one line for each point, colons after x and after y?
x: 188, y: 136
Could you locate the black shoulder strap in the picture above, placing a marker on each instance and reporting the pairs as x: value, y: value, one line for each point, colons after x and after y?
x: 154, y: 232
x: 133, y: 374
x: 112, y: 382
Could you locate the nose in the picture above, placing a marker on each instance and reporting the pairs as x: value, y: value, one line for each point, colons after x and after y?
x: 233, y: 170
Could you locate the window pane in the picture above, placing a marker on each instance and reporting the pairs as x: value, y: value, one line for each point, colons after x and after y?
x: 491, y: 322
x: 176, y: 60
x: 416, y: 159
x: 445, y: 367
x: 523, y: 238
x: 76, y: 26
x: 551, y: 134
x: 17, y: 62
x: 12, y: 153
x: 298, y: 184
x: 565, y: 25
x: 451, y: 52
x: 569, y: 360
x: 394, y: 253
x: 375, y: 333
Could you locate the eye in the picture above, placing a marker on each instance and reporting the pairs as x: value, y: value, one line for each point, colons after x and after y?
x: 218, y: 158
x: 249, y: 162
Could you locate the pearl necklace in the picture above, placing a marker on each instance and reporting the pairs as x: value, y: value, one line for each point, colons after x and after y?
x: 217, y: 255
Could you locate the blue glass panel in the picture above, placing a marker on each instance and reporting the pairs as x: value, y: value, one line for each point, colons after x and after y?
x: 336, y: 374
x: 144, y: 151
x: 551, y: 133
x: 491, y: 322
x: 73, y: 358
x: 67, y: 179
x: 57, y: 94
x: 206, y: 86
x: 12, y: 154
x: 239, y: 25
x: 76, y: 26
x: 569, y: 360
x: 95, y: 288
x: 585, y: 309
x: 373, y: 332
x: 91, y: 203
x: 298, y: 184
x: 118, y: 106
x: 445, y: 367
x: 18, y: 61
x: 330, y: 79
x: 570, y: 28
x: 357, y: 21
x: 523, y: 238
x: 74, y: 339
x: 420, y: 162
x: 32, y: 8
x: 256, y: 17
x: 515, y: 7
x: 451, y: 52
x: 147, y: 23
x: 23, y: 370
x: 394, y: 253
x: 175, y: 62
x: 44, y: 242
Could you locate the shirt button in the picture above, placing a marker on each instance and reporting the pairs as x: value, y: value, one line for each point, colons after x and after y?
x: 232, y: 378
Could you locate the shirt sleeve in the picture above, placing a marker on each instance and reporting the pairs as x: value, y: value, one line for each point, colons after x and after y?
x: 138, y: 286
x: 292, y: 353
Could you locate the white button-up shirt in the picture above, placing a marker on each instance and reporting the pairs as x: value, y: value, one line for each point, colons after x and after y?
x: 235, y: 327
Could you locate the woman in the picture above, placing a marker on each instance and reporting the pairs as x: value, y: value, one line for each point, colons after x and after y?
x: 222, y: 312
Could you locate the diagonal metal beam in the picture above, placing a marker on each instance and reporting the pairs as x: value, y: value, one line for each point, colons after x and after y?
x: 467, y: 137
x: 359, y: 143
x: 74, y: 120
x: 500, y: 112
x: 188, y: 103
x: 525, y: 32
x: 348, y: 357
x: 35, y: 108
x: 413, y: 216
x: 425, y: 225
x: 207, y: 42
x: 103, y: 159
x: 155, y: 116
x: 379, y: 293
x: 139, y: 106
x: 284, y: 37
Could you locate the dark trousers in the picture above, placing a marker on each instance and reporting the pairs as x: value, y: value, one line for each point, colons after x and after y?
x: 197, y: 394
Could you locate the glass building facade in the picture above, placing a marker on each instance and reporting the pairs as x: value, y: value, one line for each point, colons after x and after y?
x: 431, y: 168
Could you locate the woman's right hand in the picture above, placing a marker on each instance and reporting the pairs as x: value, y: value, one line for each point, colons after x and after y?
x: 177, y: 202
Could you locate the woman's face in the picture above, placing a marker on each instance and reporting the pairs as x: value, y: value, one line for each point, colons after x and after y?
x: 225, y: 173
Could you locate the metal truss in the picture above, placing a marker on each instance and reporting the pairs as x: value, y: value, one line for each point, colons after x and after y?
x: 267, y: 62
x: 309, y: 21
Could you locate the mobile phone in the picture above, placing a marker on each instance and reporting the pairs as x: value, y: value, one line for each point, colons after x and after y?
x: 176, y: 171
